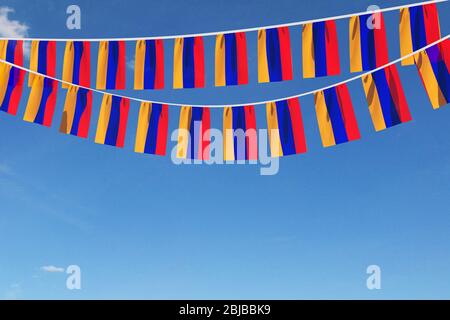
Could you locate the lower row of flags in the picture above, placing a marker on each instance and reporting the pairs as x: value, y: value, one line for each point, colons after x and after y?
x: 334, y: 109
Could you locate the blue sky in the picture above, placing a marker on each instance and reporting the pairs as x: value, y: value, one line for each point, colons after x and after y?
x: 141, y: 227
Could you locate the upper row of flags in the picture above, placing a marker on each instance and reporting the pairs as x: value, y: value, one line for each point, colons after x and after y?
x: 334, y: 110
x: 419, y: 26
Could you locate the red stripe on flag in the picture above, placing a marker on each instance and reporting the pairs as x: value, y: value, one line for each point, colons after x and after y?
x: 124, y: 108
x: 120, y: 76
x: 241, y: 48
x: 50, y: 105
x: 51, y: 58
x: 297, y: 125
x: 199, y: 63
x: 83, y: 126
x: 348, y: 113
x: 332, y: 48
x: 85, y: 65
x: 251, y: 138
x: 159, y: 73
x: 285, y: 53
x: 18, y: 53
x: 163, y: 123
x: 397, y: 93
x: 431, y: 21
x: 205, y: 135
x: 381, y: 49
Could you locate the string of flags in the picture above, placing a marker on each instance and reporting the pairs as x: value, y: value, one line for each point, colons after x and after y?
x: 336, y: 119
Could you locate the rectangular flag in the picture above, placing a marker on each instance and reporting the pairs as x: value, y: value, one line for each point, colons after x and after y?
x: 77, y: 112
x: 12, y: 51
x: 11, y: 85
x: 111, y: 65
x: 274, y: 55
x: 77, y: 63
x: 193, y: 136
x: 240, y: 139
x: 320, y: 49
x: 112, y: 121
x: 419, y: 26
x: 188, y: 63
x: 335, y: 116
x: 387, y: 102
x: 151, y: 134
x: 42, y: 101
x: 368, y: 42
x: 231, y: 59
x: 149, y: 65
x: 285, y: 125
x: 433, y: 65
x: 42, y: 59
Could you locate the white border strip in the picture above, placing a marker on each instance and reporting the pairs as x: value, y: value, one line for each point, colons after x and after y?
x: 230, y: 31
x: 175, y: 104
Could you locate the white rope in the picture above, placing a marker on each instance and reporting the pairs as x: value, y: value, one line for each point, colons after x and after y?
x: 229, y: 105
x: 231, y: 31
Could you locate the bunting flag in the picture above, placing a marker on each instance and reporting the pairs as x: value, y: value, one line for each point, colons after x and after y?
x: 386, y: 99
x: 240, y: 141
x: 111, y: 65
x: 368, y: 42
x: 193, y: 135
x: 419, y: 26
x: 188, y: 63
x: 320, y: 49
x: 285, y: 125
x: 11, y: 85
x: 335, y: 116
x: 77, y: 64
x: 42, y: 101
x: 112, y: 121
x: 12, y: 51
x: 42, y: 59
x: 433, y: 65
x: 231, y: 59
x: 149, y: 65
x: 274, y: 55
x: 151, y: 135
x: 77, y: 112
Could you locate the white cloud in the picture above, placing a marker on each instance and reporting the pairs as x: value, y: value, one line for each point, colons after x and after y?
x: 11, y: 28
x: 52, y: 269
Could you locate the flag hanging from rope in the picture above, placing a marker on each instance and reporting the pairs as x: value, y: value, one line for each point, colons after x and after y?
x: 368, y: 42
x: 231, y: 59
x: 112, y: 121
x: 189, y: 63
x: 193, y: 135
x: 12, y: 51
x: 274, y: 55
x: 320, y: 49
x: 387, y: 102
x: 419, y: 26
x: 151, y: 134
x: 77, y: 112
x: 285, y: 126
x: 335, y: 116
x: 433, y: 65
x: 149, y: 65
x: 111, y: 65
x: 77, y: 64
x: 42, y: 59
x: 42, y: 101
x: 240, y: 141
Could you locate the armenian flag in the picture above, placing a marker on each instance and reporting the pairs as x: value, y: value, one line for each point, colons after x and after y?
x: 77, y: 64
x: 419, y: 26
x: 149, y: 65
x: 274, y: 55
x: 320, y: 49
x: 231, y: 59
x: 77, y: 112
x: 42, y: 59
x: 285, y: 125
x: 387, y: 102
x: 193, y: 134
x: 151, y: 135
x: 111, y: 65
x: 112, y: 121
x: 42, y: 101
x: 189, y: 63
x: 368, y: 42
x: 240, y: 141
x: 433, y: 65
x: 11, y: 85
x: 335, y: 116
x: 12, y: 51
